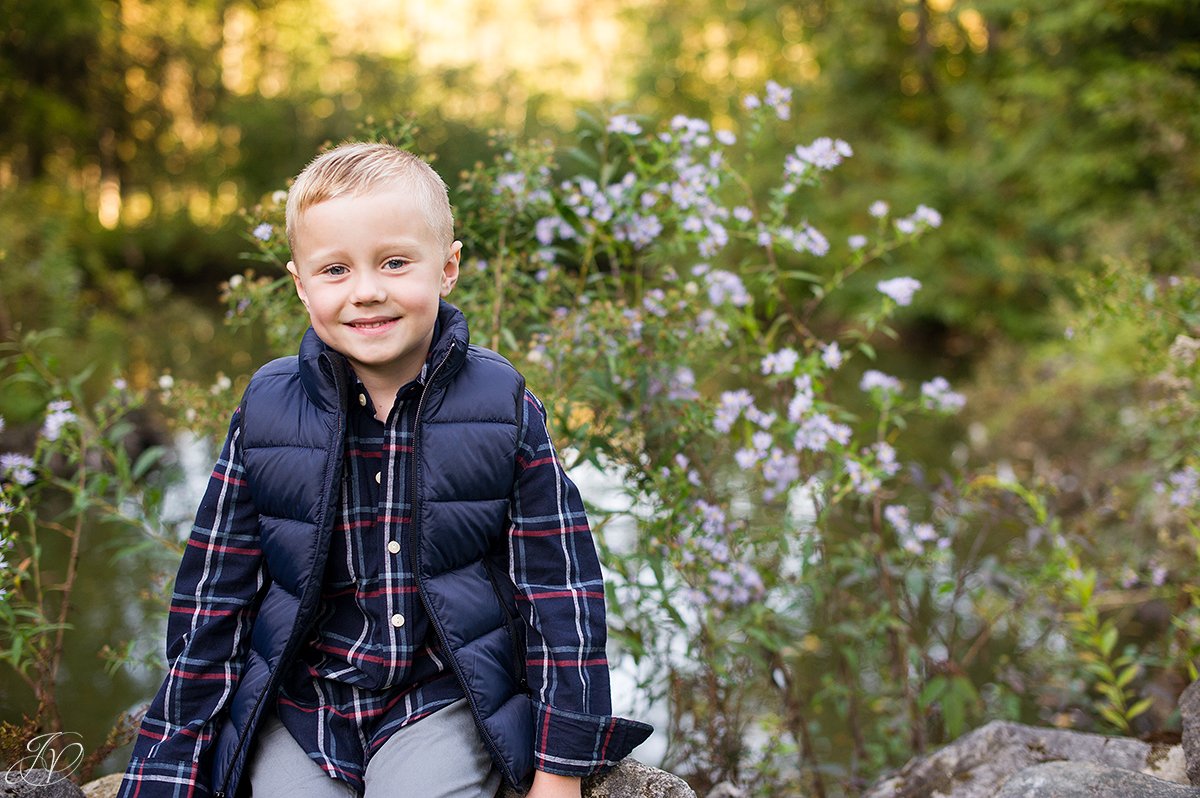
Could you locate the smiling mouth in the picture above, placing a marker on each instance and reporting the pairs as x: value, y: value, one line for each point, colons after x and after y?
x: 370, y: 324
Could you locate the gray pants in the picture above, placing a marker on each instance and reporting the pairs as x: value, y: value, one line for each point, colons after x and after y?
x: 440, y: 756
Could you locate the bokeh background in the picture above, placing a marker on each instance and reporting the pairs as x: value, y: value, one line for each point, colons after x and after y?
x: 1060, y: 140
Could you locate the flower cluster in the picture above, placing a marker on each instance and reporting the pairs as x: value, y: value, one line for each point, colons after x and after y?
x: 732, y: 405
x: 922, y: 217
x: 522, y: 188
x: 875, y: 381
x: 696, y: 165
x: 724, y: 287
x: 778, y: 98
x: 624, y: 124
x: 937, y: 395
x: 721, y: 578
x: 58, y: 415
x: 817, y: 431
x: 17, y: 468
x: 831, y: 356
x: 899, y: 289
x: 782, y: 362
x: 1182, y: 488
x: 914, y: 538
x: 823, y: 154
x: 804, y: 238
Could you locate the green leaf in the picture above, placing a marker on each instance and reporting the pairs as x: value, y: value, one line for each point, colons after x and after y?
x: 807, y: 277
x: 1139, y: 708
x: 1109, y: 640
x: 932, y: 691
x: 1115, y: 718
x: 146, y: 461
x: 1128, y: 675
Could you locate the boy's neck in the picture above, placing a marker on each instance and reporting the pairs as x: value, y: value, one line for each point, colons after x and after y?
x: 382, y: 392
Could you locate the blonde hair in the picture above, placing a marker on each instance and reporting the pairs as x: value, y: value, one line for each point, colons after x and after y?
x: 357, y: 168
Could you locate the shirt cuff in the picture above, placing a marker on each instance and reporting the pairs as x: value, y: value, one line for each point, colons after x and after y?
x: 577, y: 744
x: 147, y: 777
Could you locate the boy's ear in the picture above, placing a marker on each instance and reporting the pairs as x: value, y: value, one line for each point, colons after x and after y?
x: 450, y: 270
x: 292, y: 270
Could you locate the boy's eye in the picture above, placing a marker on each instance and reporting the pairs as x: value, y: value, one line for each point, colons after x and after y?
x: 394, y: 263
x: 336, y: 270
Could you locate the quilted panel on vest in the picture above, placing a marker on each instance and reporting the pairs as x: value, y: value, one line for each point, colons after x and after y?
x: 467, y: 596
x: 276, y: 617
x: 512, y: 725
x: 288, y: 548
x: 486, y: 660
x: 473, y: 460
x: 245, y: 698
x: 461, y: 532
x: 295, y: 478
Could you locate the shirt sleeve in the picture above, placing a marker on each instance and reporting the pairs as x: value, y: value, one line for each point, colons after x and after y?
x: 560, y: 596
x: 216, y: 597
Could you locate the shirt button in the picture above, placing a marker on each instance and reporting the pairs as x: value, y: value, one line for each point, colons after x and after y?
x: 362, y: 399
x: 397, y: 620
x: 394, y: 546
x: 378, y: 477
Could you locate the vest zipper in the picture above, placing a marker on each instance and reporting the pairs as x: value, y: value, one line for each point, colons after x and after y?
x: 414, y: 554
x: 277, y: 675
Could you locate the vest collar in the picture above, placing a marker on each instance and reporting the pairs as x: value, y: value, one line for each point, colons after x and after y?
x: 325, y: 373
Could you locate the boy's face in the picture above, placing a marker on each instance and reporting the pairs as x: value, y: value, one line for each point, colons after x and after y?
x: 371, y: 271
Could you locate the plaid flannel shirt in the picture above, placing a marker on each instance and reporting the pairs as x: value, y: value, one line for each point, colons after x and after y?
x: 366, y: 677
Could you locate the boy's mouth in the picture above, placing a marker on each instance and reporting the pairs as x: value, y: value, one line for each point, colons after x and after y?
x: 369, y: 325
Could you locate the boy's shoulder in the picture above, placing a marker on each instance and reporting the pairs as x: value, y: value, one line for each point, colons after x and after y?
x: 486, y: 355
x: 488, y: 367
x: 274, y: 375
x: 279, y: 367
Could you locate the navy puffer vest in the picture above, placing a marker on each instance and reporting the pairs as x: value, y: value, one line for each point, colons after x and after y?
x: 464, y: 451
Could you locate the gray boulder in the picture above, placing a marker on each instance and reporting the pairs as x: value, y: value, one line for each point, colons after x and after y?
x: 981, y: 762
x: 37, y: 783
x: 1189, y: 712
x: 629, y: 779
x: 632, y: 779
x: 1089, y: 780
x: 103, y: 787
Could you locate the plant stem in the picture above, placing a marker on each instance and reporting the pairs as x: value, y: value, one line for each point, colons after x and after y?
x: 899, y: 646
x: 498, y: 299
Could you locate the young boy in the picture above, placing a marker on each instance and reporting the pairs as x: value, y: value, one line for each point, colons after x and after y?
x: 391, y: 586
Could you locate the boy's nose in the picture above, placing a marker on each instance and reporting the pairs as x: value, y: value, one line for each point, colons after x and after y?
x: 368, y: 287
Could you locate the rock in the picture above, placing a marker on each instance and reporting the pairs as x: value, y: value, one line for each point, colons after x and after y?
x: 1172, y: 767
x: 629, y: 779
x: 103, y: 787
x: 980, y: 762
x: 1089, y: 780
x: 1189, y: 712
x: 37, y: 783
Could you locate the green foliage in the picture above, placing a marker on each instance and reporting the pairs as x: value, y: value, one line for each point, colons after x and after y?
x: 776, y: 560
x: 1061, y: 145
x: 1049, y: 136
x: 83, y: 472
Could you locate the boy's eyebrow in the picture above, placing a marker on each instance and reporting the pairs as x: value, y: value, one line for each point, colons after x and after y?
x: 339, y: 251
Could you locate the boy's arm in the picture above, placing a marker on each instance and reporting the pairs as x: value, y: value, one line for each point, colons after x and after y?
x: 216, y: 597
x: 560, y: 595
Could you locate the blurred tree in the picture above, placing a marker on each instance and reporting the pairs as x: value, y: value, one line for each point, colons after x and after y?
x: 1047, y: 133
x: 166, y: 117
